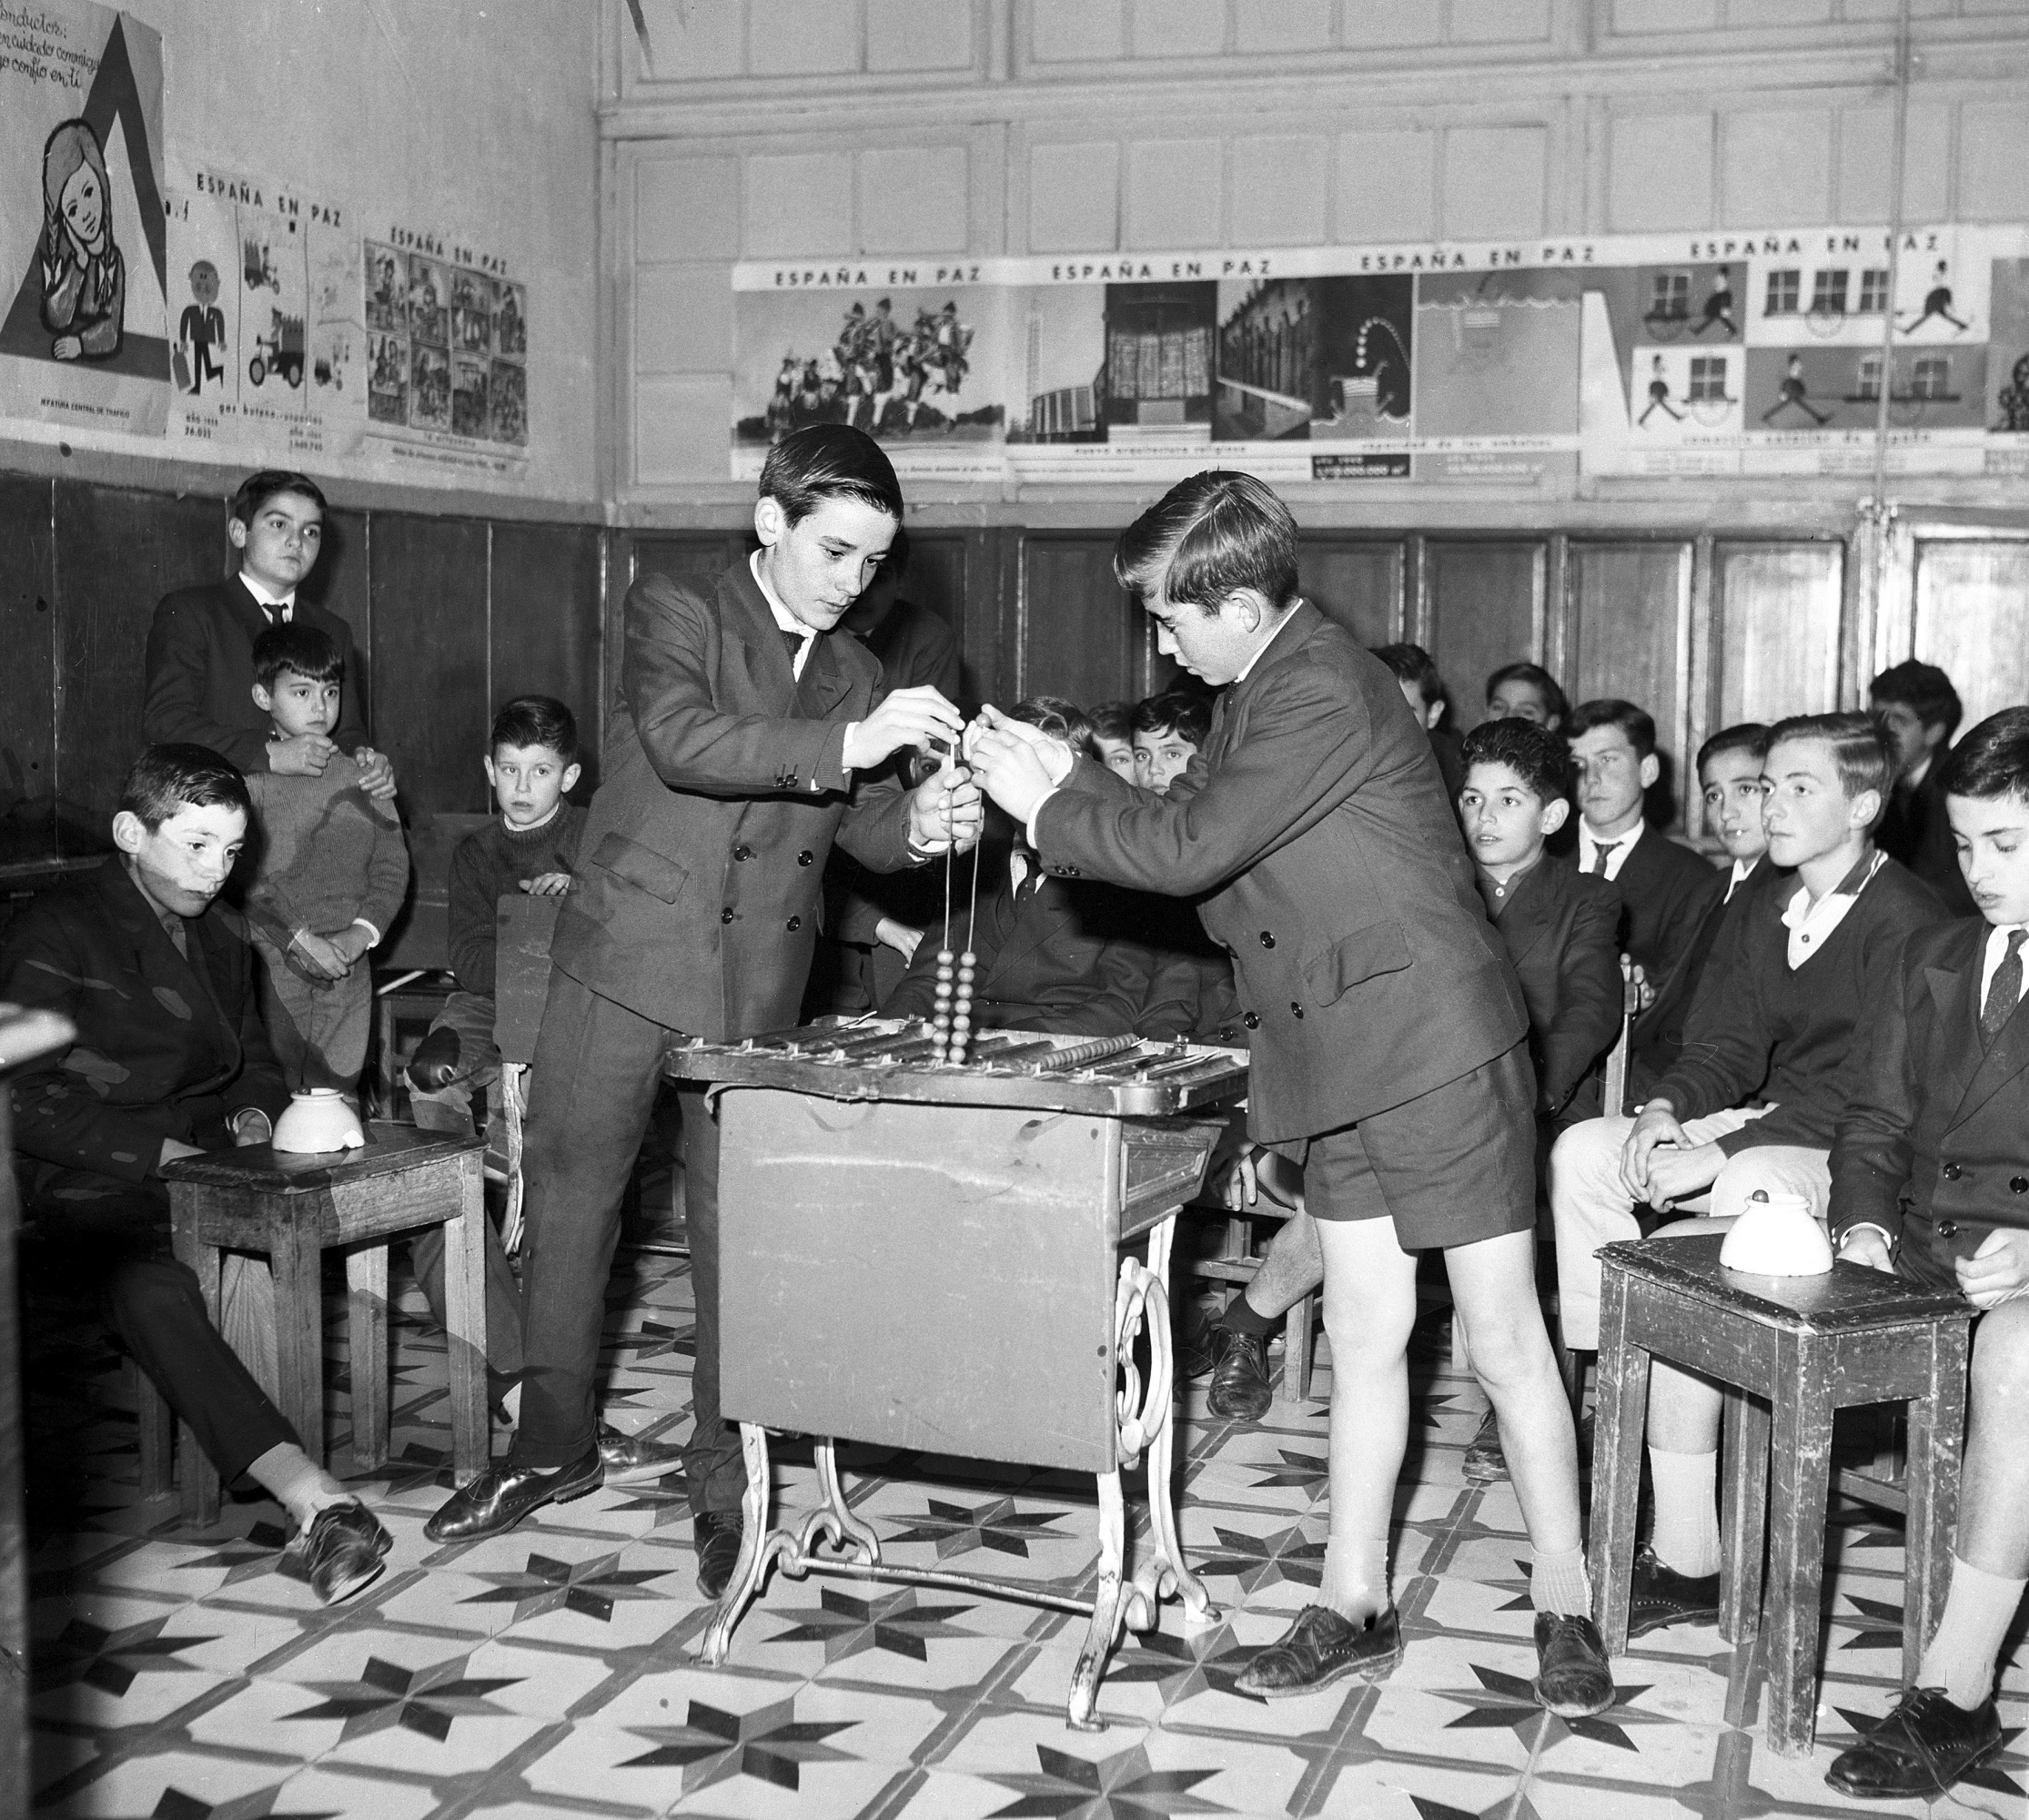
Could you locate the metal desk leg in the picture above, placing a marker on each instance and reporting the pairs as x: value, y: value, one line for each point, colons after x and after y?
x: 835, y: 1522
x: 758, y: 1546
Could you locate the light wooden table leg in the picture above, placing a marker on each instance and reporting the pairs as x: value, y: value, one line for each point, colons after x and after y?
x: 1800, y: 1485
x: 1936, y: 1437
x: 465, y: 1314
x: 1621, y: 1408
x: 1743, y: 1518
x: 365, y: 1280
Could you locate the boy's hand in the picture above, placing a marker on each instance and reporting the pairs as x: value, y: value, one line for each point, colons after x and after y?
x: 376, y: 773
x: 1655, y: 1124
x: 547, y: 885
x: 1863, y: 1245
x: 899, y: 936
x: 306, y: 755
x: 330, y: 957
x: 1018, y: 772
x: 919, y: 716
x: 1676, y: 1175
x: 946, y: 813
x: 1644, y: 990
x: 1998, y: 1271
x: 1243, y: 1184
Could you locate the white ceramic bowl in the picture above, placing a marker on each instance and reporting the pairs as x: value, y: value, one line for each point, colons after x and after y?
x: 316, y: 1121
x: 1777, y: 1236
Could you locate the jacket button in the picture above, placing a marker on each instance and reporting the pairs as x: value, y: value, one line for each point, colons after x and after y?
x: 743, y: 852
x: 1267, y: 940
x: 796, y: 923
x: 2018, y: 1185
x: 1951, y: 1172
x: 805, y: 857
x: 1296, y: 1009
x: 725, y: 916
x: 1252, y: 1020
x: 1947, y: 1229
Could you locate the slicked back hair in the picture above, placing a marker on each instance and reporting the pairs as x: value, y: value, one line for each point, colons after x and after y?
x: 1207, y: 538
x: 1113, y: 721
x: 1412, y: 663
x: 1610, y: 712
x: 829, y: 461
x: 535, y: 720
x: 167, y: 779
x: 1863, y: 751
x: 256, y: 489
x: 1925, y: 690
x: 1750, y: 737
x: 1060, y: 718
x: 1991, y: 760
x: 1537, y: 754
x: 307, y: 650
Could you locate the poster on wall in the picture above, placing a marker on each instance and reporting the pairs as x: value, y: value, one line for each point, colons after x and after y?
x: 1523, y: 363
x: 266, y: 344
x: 83, y: 339
x: 446, y: 337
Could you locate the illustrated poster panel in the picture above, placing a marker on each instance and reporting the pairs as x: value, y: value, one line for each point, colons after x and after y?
x: 85, y: 338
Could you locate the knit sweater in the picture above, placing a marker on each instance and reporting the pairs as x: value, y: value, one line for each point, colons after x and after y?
x: 485, y: 866
x: 1762, y: 1029
x: 328, y: 854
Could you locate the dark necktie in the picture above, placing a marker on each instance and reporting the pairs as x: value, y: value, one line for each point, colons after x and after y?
x: 794, y: 642
x: 1601, y: 853
x: 2004, y: 991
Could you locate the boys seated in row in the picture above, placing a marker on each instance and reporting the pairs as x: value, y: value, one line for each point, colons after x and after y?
x: 1750, y: 1102
x: 1074, y: 955
x: 1929, y: 1180
x: 1558, y: 927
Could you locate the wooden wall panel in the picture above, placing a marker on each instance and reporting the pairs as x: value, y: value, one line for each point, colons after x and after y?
x: 1778, y: 606
x: 117, y: 554
x: 1483, y: 606
x: 1080, y: 635
x: 1972, y: 619
x: 340, y: 583
x: 1359, y: 583
x: 430, y: 599
x: 1629, y: 634
x: 544, y: 623
x: 28, y: 669
x: 939, y: 578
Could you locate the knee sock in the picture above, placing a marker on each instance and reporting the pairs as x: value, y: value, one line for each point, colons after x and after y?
x: 1242, y: 1317
x: 510, y: 1402
x: 1686, y: 1536
x: 1558, y: 1582
x: 1354, y: 1580
x: 1977, y: 1613
x: 298, y: 1482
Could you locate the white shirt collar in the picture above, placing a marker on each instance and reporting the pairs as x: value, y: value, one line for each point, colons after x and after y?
x: 1260, y: 649
x: 1810, y: 924
x: 1622, y: 845
x: 786, y: 620
x: 265, y: 597
x: 1744, y: 870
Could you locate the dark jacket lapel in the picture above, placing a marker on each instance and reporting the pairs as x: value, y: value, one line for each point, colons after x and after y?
x: 1035, y: 921
x: 1531, y: 913
x: 823, y: 682
x: 181, y: 987
x: 1989, y: 1072
x: 750, y: 624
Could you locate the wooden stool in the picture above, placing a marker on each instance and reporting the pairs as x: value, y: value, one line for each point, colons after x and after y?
x: 1788, y: 1351
x: 295, y: 1208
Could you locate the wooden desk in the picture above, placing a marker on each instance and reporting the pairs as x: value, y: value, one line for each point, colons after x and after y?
x: 962, y: 1260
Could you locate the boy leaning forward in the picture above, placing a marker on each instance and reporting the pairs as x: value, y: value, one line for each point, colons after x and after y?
x: 1387, y: 1052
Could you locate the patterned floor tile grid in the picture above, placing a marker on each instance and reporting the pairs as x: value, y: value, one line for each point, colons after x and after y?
x: 185, y: 1676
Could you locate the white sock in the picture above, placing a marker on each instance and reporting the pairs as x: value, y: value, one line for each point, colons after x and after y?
x: 1558, y: 1582
x: 298, y: 1482
x: 1354, y: 1580
x: 1686, y: 1537
x: 511, y: 1401
x: 1978, y: 1611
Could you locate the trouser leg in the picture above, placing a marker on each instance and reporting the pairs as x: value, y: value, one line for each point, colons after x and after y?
x: 503, y: 1296
x: 712, y: 1460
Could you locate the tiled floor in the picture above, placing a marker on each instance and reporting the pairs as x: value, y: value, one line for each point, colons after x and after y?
x: 193, y: 1677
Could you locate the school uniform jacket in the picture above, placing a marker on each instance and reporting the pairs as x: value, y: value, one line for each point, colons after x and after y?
x: 1313, y: 825
x: 1917, y: 831
x: 199, y: 670
x: 1667, y: 890
x: 165, y: 1047
x: 1936, y: 1130
x: 1560, y: 930
x: 1658, y: 1036
x: 703, y: 860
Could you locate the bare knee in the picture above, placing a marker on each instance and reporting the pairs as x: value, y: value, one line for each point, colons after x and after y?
x: 2000, y: 1365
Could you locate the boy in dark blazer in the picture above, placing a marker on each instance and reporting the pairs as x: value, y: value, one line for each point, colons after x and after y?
x: 1920, y: 709
x: 170, y: 1060
x: 1387, y: 1051
x: 199, y: 662
x: 1930, y: 1180
x: 731, y: 767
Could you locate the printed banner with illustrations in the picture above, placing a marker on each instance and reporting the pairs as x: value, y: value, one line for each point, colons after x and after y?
x: 1529, y: 363
x: 84, y: 337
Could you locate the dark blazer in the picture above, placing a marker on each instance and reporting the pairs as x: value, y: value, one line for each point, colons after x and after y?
x: 165, y: 1047
x: 702, y: 861
x: 1313, y: 825
x: 1560, y: 930
x: 1917, y: 831
x: 1936, y: 1130
x: 1072, y: 954
x: 1658, y: 1036
x: 199, y: 670
x: 1666, y: 889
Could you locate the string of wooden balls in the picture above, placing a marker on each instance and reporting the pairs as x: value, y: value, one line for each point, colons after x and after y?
x: 951, y: 1011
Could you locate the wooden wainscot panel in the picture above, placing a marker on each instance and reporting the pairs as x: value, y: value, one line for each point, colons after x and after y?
x: 1080, y: 634
x: 1484, y: 605
x: 429, y: 594
x: 1359, y: 583
x: 1778, y: 606
x: 1973, y: 617
x: 27, y: 675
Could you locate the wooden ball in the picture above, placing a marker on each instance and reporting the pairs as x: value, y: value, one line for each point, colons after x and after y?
x: 968, y: 958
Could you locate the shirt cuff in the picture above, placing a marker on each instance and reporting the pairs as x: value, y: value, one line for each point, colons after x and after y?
x: 1887, y: 1237
x: 1036, y: 846
x: 238, y: 1123
x: 361, y: 923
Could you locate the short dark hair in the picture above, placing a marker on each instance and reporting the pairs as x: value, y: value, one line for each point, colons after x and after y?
x: 256, y: 489
x: 1863, y: 751
x: 1750, y: 736
x: 1207, y: 537
x: 1991, y: 760
x: 1060, y: 718
x: 1174, y: 711
x: 309, y: 651
x: 1412, y: 663
x: 1113, y: 720
x: 1539, y: 679
x: 1535, y: 754
x: 1925, y: 690
x: 829, y: 461
x: 167, y: 779
x: 535, y: 720
x: 1610, y: 711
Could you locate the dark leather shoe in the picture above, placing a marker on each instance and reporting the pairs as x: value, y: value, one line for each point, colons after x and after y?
x: 717, y: 1534
x: 1239, y: 1376
x: 1922, y: 1747
x: 434, y: 1066
x: 630, y: 1460
x: 1659, y: 1596
x: 343, y: 1549
x: 1485, y: 1463
x: 1572, y: 1679
x: 1320, y: 1648
x: 502, y: 1495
